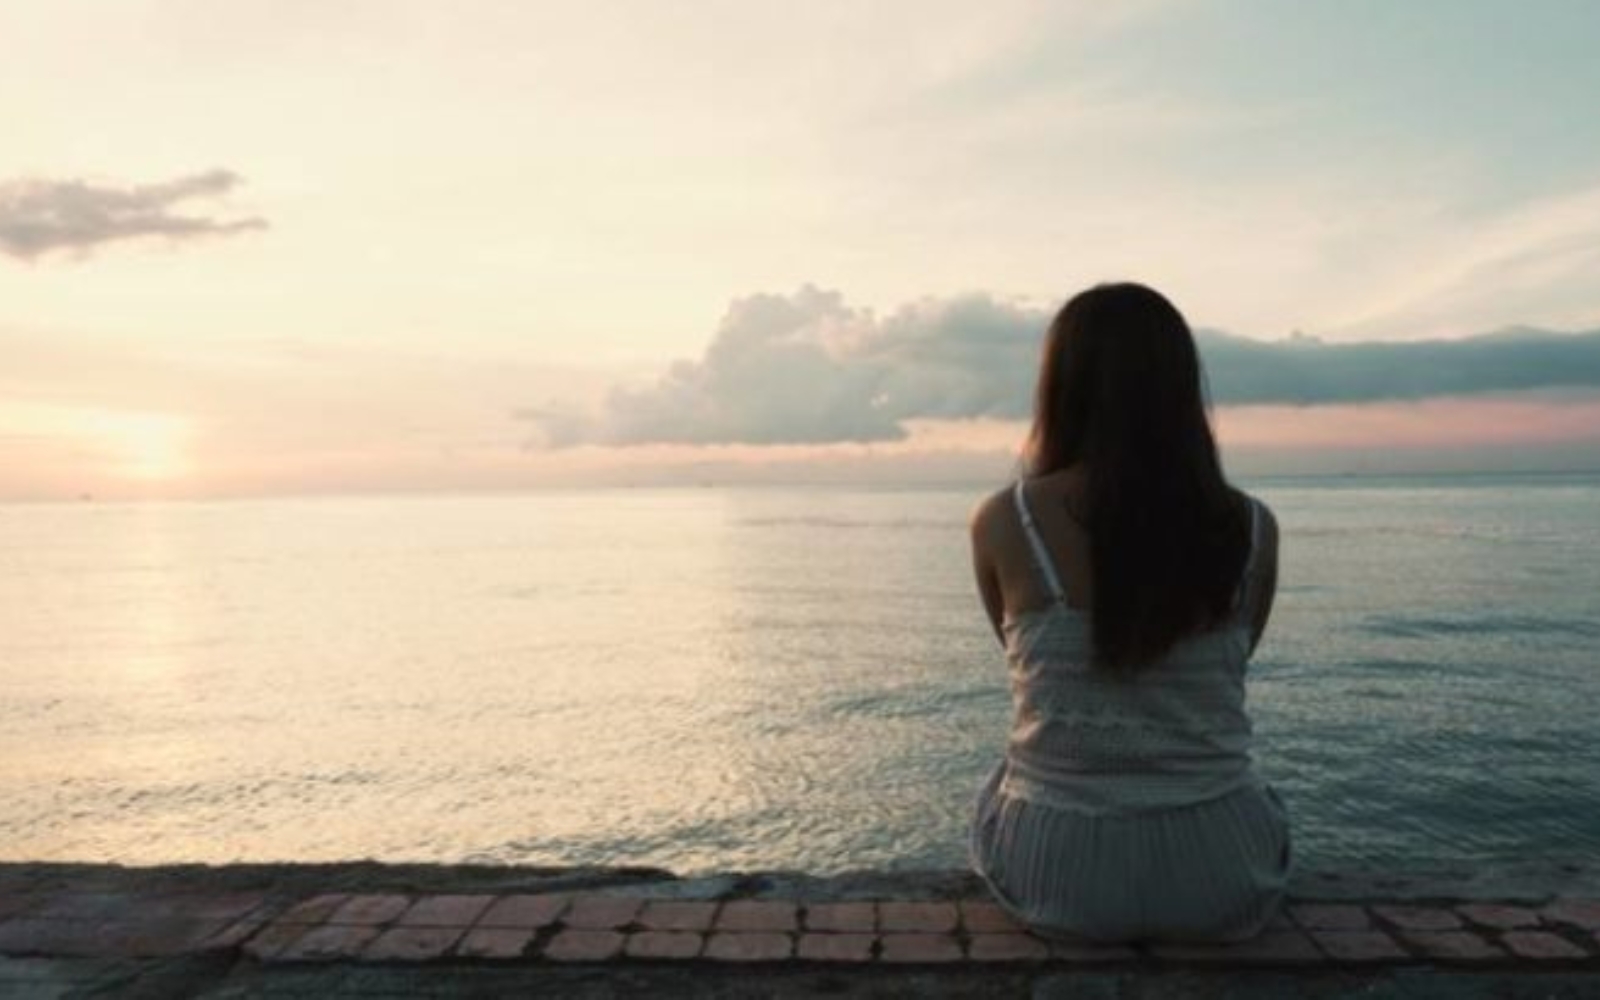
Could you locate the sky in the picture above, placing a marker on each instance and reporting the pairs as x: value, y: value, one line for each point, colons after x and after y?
x: 285, y: 247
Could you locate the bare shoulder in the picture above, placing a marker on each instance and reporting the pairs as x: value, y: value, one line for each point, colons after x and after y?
x: 989, y: 514
x: 1268, y: 521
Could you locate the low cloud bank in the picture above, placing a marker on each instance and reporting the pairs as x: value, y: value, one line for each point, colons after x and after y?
x: 808, y: 369
x: 38, y: 216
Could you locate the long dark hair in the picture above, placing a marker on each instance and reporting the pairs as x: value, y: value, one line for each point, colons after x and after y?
x: 1121, y: 392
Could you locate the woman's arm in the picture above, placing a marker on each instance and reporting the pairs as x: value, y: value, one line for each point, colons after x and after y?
x: 981, y: 530
x: 1265, y: 570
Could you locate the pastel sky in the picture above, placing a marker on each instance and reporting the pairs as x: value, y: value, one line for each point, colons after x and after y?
x: 274, y: 247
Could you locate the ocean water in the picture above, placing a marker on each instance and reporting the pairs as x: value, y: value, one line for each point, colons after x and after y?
x: 741, y: 678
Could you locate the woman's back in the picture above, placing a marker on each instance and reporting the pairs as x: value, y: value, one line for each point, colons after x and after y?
x: 1171, y: 733
x: 1129, y: 584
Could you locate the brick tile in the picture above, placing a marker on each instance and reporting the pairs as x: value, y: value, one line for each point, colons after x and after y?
x: 1089, y: 952
x: 1359, y: 946
x: 1007, y: 947
x: 1269, y: 948
x: 327, y: 942
x: 370, y: 909
x: 445, y: 911
x: 411, y: 944
x: 1452, y: 946
x: 855, y: 917
x: 663, y: 944
x: 1499, y: 915
x: 30, y: 935
x: 1419, y: 918
x: 846, y: 947
x: 234, y: 934
x: 82, y: 906
x: 156, y: 937
x: 1330, y: 916
x: 1540, y: 946
x: 747, y: 915
x: 923, y: 918
x: 270, y: 942
x: 920, y: 948
x: 676, y: 915
x: 86, y: 906
x: 314, y: 910
x: 1279, y: 921
x: 524, y: 911
x: 595, y: 913
x: 583, y: 946
x: 222, y: 906
x: 758, y: 946
x: 495, y: 942
x: 1584, y: 913
x: 984, y: 917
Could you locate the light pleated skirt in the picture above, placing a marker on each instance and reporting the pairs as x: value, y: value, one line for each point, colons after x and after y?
x: 1213, y: 871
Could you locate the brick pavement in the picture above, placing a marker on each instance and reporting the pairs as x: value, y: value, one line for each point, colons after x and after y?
x: 587, y: 927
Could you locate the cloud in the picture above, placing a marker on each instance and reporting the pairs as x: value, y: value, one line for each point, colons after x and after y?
x: 809, y: 369
x: 38, y: 216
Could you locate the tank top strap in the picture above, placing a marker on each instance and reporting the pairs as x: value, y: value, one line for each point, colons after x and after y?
x: 1041, y: 555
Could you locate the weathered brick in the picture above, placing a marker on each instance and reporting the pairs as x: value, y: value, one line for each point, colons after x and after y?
x: 370, y: 909
x: 594, y: 913
x: 234, y: 934
x: 521, y: 911
x: 1499, y: 915
x: 1452, y: 946
x: 1540, y: 946
x: 445, y: 911
x: 748, y: 915
x: 314, y: 910
x: 224, y: 906
x: 30, y: 935
x: 93, y: 907
x: 584, y: 946
x: 495, y: 942
x: 915, y: 947
x: 411, y: 944
x: 1359, y: 946
x: 156, y: 937
x: 1007, y: 947
x: 984, y: 917
x: 836, y: 947
x: 269, y: 942
x: 1419, y: 918
x: 663, y: 944
x: 757, y: 946
x: 677, y: 915
x: 835, y: 917
x: 1090, y: 952
x: 1584, y: 913
x: 1268, y: 948
x: 326, y: 942
x: 1330, y: 917
x: 921, y: 918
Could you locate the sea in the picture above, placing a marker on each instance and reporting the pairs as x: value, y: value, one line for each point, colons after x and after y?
x: 710, y: 679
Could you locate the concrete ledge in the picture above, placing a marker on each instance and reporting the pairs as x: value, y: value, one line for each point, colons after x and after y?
x: 298, y: 917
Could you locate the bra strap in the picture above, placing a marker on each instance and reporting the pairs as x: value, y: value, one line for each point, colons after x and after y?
x: 1041, y: 555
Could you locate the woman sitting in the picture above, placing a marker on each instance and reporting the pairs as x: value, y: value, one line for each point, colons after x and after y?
x: 1129, y: 583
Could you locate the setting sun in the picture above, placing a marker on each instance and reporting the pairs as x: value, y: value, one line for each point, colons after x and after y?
x: 143, y: 446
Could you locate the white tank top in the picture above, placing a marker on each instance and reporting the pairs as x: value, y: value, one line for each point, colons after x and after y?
x: 1169, y: 734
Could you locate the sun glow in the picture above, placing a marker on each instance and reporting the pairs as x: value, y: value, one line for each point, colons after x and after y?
x: 149, y: 447
x: 98, y: 444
